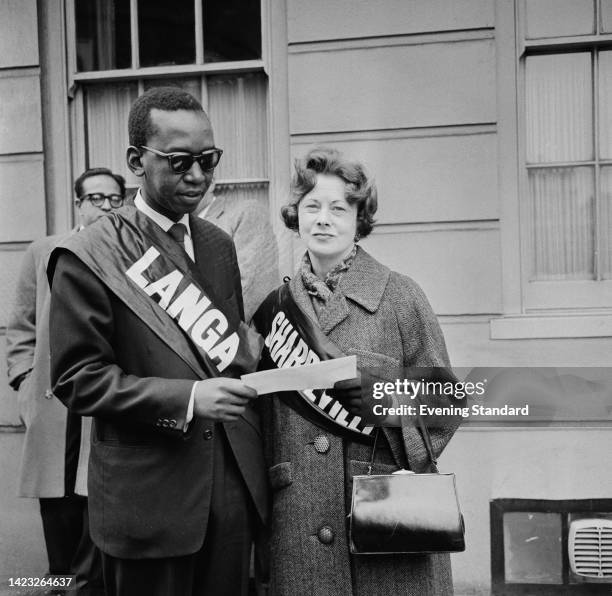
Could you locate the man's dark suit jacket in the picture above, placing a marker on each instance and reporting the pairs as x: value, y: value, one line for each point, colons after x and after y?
x: 149, y: 482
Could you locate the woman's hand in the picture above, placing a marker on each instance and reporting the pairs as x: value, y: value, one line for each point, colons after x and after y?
x: 356, y: 397
x: 348, y: 393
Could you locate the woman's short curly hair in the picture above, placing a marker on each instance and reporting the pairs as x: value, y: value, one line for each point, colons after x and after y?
x: 360, y: 189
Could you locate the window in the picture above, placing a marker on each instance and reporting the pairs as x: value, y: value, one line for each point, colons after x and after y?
x: 120, y: 34
x: 530, y: 546
x: 566, y: 209
x: 211, y: 48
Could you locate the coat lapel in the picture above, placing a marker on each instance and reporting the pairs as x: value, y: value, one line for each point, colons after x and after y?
x: 205, y: 256
x: 335, y: 311
x: 301, y: 296
x: 364, y: 283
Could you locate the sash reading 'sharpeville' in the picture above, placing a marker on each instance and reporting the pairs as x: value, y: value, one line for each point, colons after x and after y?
x: 291, y: 338
x: 157, y: 280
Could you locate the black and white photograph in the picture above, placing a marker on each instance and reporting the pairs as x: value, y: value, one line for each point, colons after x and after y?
x: 305, y: 297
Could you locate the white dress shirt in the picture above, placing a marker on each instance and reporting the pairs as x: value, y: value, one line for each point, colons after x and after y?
x: 165, y: 224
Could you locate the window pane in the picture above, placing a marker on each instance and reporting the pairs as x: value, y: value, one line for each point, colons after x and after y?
x: 559, y: 108
x: 562, y: 212
x: 606, y: 221
x: 232, y: 30
x: 532, y: 548
x: 552, y: 18
x: 606, y: 16
x: 102, y: 34
x: 237, y: 106
x: 192, y: 85
x: 605, y: 104
x: 167, y: 32
x: 107, y: 107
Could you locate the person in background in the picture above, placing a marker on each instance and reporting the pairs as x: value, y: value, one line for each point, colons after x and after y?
x: 56, y: 445
x: 248, y: 223
x: 342, y: 301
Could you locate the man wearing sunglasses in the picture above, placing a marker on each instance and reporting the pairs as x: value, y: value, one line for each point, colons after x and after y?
x: 147, y: 307
x: 54, y: 465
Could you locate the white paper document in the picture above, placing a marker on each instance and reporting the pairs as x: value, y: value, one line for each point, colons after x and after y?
x: 321, y: 375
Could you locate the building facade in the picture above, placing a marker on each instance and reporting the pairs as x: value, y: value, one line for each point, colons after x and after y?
x: 488, y: 127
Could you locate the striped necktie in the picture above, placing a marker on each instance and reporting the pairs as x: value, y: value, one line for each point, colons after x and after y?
x: 178, y: 231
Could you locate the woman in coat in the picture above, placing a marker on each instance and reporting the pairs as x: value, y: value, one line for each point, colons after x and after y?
x: 341, y: 301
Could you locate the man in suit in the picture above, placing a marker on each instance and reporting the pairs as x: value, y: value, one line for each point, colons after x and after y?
x: 147, y: 308
x: 56, y: 445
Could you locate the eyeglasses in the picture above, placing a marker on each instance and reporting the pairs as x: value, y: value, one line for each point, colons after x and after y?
x: 97, y: 199
x: 181, y: 162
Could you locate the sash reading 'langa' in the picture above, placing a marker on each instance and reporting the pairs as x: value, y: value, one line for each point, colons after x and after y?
x: 292, y: 339
x: 191, y: 308
x: 156, y: 279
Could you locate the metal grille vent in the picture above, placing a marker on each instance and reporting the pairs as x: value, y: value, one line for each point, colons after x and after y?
x: 590, y: 548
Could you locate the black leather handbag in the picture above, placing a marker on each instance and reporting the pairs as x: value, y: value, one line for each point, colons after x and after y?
x: 406, y: 512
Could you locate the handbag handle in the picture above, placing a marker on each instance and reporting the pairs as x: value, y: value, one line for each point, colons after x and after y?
x: 426, y: 440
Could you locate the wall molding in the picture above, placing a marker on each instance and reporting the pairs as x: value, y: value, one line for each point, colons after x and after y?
x: 467, y: 319
x: 386, y: 41
x: 19, y: 157
x: 12, y: 428
x: 552, y: 326
x: 22, y: 71
x: 483, y: 225
x: 14, y: 246
x: 385, y: 134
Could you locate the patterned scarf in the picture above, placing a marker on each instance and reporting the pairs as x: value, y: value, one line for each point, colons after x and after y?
x: 323, y: 289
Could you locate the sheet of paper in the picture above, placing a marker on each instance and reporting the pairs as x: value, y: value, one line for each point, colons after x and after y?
x: 321, y: 375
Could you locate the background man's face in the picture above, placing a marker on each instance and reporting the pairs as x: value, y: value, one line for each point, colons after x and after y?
x: 102, y: 183
x: 172, y: 194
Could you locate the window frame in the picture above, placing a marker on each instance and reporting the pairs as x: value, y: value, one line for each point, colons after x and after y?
x: 533, y: 309
x: 57, y: 38
x: 497, y: 508
x: 547, y: 295
x: 570, y: 294
x: 274, y: 63
x: 77, y: 80
x: 138, y: 72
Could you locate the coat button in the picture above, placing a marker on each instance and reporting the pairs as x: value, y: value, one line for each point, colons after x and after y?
x: 208, y: 434
x: 49, y: 394
x: 325, y: 535
x: 172, y: 423
x: 321, y: 444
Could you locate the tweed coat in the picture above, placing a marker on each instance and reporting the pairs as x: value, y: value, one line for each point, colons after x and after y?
x: 248, y: 223
x: 385, y: 320
x: 41, y: 473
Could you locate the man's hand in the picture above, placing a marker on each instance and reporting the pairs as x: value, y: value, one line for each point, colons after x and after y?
x: 222, y: 399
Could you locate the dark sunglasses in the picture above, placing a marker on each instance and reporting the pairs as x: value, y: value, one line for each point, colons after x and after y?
x: 97, y: 199
x: 181, y: 162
